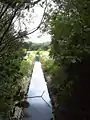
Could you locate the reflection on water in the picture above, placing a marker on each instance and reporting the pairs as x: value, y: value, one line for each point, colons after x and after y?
x: 38, y: 97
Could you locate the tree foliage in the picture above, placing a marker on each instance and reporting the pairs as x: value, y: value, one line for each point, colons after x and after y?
x: 69, y: 26
x: 37, y: 46
x: 13, y: 67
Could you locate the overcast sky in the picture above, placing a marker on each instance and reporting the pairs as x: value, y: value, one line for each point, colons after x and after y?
x: 33, y: 22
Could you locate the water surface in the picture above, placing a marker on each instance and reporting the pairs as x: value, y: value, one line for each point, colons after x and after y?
x: 38, y: 97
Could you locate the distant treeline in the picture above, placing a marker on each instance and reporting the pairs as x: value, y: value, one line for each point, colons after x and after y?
x: 36, y: 46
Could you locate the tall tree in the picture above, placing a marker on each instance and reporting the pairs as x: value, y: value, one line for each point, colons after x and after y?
x: 11, y: 49
x: 69, y: 26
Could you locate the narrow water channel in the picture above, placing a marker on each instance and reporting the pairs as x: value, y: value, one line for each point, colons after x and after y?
x: 40, y: 105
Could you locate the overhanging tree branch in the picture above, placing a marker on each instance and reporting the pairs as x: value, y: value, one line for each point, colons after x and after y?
x: 39, y: 23
x: 4, y: 11
x: 36, y: 2
x: 2, y: 7
x: 32, y: 3
x: 1, y: 39
x: 24, y: 33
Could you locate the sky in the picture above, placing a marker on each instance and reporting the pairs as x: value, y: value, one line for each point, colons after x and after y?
x: 37, y: 37
x: 32, y: 22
